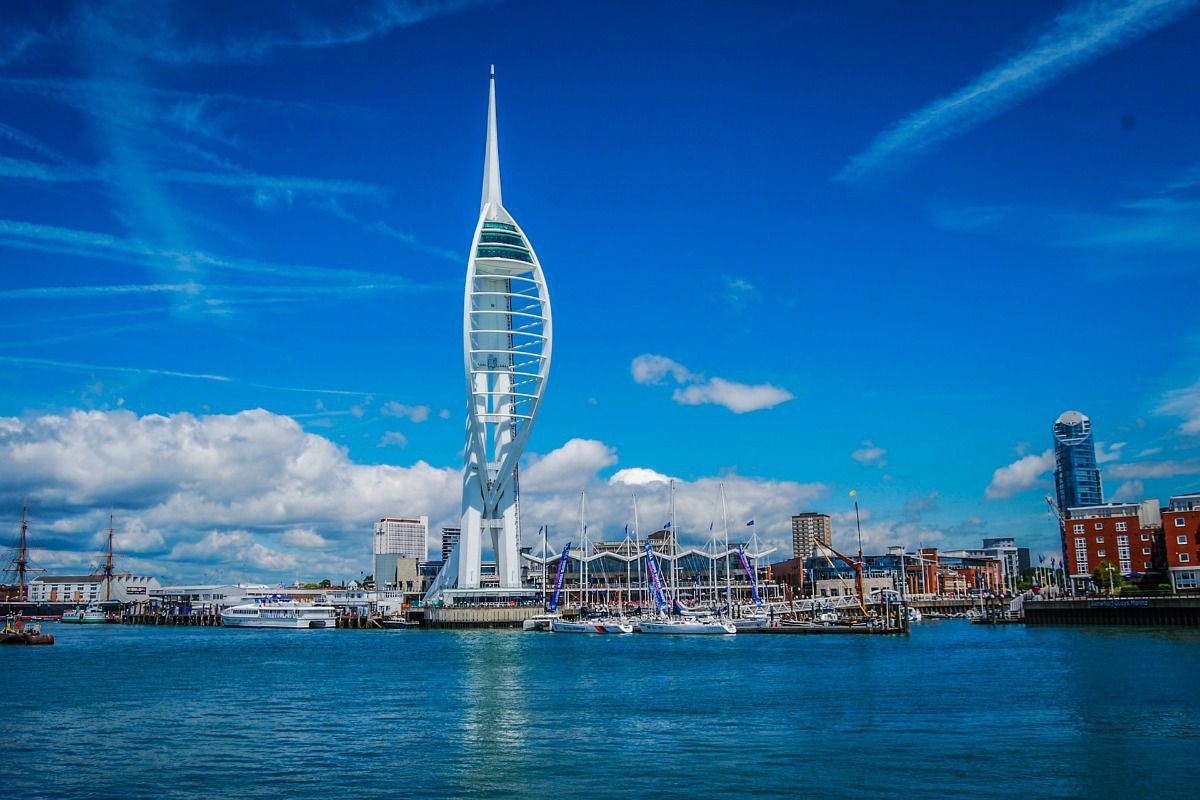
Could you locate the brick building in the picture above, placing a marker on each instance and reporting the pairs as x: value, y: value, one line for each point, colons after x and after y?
x: 1181, y: 539
x: 1121, y: 534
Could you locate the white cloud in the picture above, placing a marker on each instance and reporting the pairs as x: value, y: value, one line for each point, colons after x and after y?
x: 1106, y: 453
x: 412, y: 413
x: 444, y: 413
x: 638, y: 476
x: 393, y: 438
x: 1149, y: 451
x: 1129, y: 491
x: 246, y: 494
x: 304, y: 538
x: 186, y: 480
x: 1078, y: 35
x: 650, y: 368
x: 1183, y: 403
x: 1017, y: 477
x: 737, y: 397
x: 869, y: 453
x: 1155, y: 469
x: 571, y: 466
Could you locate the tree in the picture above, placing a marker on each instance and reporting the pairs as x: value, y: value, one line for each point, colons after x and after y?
x: 1107, y: 577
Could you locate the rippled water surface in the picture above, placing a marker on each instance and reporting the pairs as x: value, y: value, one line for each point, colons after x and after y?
x: 954, y: 710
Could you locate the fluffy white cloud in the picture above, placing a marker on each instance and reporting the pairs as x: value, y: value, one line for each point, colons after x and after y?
x: 638, y: 476
x: 253, y: 496
x: 1183, y: 403
x: 1155, y: 469
x: 393, y: 438
x: 1129, y: 491
x: 1106, y: 452
x: 737, y: 397
x: 412, y: 413
x: 304, y: 538
x: 650, y: 368
x: 570, y: 467
x: 1022, y: 474
x: 869, y: 453
x: 181, y: 481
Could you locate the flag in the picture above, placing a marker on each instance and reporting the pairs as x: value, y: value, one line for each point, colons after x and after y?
x: 666, y: 524
x: 626, y: 530
x: 854, y: 492
x: 748, y: 524
x: 1042, y: 558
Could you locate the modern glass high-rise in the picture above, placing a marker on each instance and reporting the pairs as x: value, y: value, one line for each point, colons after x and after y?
x: 1076, y: 475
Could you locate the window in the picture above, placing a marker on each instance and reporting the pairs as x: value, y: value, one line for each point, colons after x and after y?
x: 1145, y: 551
x: 1099, y: 526
x: 1179, y: 522
x: 1145, y: 537
x: 1181, y: 539
x: 1079, y: 528
x: 1122, y: 540
x: 499, y: 226
x: 1099, y: 540
x: 1184, y: 558
x: 1101, y: 553
x: 1122, y: 526
x: 496, y: 251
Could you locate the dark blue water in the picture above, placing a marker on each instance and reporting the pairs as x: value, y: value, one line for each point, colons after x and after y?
x: 954, y: 710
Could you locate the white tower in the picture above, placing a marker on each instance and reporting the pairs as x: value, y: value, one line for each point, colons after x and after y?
x: 506, y: 358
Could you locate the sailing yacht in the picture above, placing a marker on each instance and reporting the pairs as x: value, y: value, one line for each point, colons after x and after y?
x: 598, y: 625
x: 665, y: 624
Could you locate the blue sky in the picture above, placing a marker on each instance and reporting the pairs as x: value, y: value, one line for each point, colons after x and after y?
x: 795, y: 249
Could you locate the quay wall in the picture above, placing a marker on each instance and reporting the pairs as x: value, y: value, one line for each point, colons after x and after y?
x: 1173, y: 611
x: 479, y: 616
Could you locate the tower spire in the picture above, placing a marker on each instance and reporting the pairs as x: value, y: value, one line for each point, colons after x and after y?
x: 491, y: 156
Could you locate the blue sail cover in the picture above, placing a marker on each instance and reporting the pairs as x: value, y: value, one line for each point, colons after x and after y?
x: 558, y: 579
x: 750, y: 572
x: 652, y: 568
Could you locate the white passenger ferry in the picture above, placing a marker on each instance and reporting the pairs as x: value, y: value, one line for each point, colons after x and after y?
x: 279, y: 614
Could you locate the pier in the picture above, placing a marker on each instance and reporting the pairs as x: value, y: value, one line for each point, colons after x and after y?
x: 1173, y: 611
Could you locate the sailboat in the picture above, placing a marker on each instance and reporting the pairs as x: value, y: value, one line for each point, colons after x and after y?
x: 541, y: 622
x: 599, y: 625
x: 666, y: 624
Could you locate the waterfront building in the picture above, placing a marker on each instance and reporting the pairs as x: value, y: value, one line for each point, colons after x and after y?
x: 1181, y: 536
x: 1076, y: 475
x: 1121, y: 534
x: 450, y: 537
x: 206, y: 597
x: 124, y: 588
x: 507, y: 336
x: 926, y: 573
x: 402, y: 536
x: 398, y: 540
x: 1013, y: 560
x: 809, y: 529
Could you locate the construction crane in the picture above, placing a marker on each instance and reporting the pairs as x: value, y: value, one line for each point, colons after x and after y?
x: 858, y: 573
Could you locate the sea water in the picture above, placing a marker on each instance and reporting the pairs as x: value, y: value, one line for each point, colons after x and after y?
x: 953, y: 710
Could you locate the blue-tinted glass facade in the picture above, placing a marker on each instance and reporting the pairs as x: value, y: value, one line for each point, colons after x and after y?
x: 1076, y: 475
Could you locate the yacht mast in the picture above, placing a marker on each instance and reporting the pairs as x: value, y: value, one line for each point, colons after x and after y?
x: 108, y: 567
x: 23, y: 556
x: 728, y: 586
x: 674, y: 550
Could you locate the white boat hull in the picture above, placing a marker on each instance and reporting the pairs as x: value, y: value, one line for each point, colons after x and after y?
x: 688, y: 627
x: 287, y: 615
x: 590, y: 626
x: 296, y: 624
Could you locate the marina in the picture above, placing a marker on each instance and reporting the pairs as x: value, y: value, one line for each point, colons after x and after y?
x: 326, y: 698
